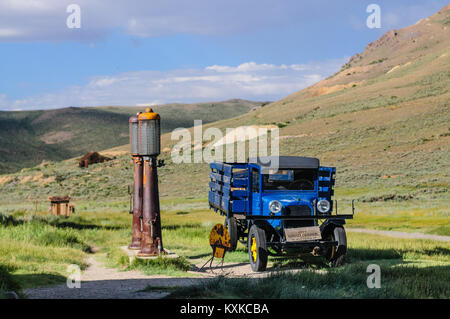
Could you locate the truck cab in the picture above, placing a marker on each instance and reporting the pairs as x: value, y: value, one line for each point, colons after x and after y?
x: 279, y: 204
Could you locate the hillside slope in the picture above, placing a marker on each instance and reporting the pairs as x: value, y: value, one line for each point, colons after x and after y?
x: 382, y: 120
x: 27, y: 138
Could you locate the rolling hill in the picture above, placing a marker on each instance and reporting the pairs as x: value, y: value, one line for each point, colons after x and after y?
x: 382, y: 120
x: 29, y: 137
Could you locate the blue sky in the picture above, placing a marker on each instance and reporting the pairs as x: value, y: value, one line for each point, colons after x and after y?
x: 150, y: 52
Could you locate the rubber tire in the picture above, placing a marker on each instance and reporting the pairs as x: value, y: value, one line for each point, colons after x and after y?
x: 337, y: 234
x: 231, y: 224
x: 260, y: 237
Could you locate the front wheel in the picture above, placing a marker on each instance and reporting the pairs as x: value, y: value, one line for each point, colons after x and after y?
x: 336, y: 254
x: 257, y: 248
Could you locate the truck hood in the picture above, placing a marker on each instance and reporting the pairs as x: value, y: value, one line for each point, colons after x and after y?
x: 290, y: 200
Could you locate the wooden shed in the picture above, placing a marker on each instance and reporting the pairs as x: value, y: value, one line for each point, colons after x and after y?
x: 60, y: 206
x: 92, y: 158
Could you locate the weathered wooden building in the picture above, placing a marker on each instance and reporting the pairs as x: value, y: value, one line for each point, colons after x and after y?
x: 92, y: 158
x: 59, y: 206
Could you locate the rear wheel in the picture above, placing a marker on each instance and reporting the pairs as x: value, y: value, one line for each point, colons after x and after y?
x: 231, y: 225
x: 257, y: 248
x: 336, y: 254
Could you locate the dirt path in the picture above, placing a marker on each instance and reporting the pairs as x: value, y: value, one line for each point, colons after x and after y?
x: 398, y: 234
x: 99, y: 282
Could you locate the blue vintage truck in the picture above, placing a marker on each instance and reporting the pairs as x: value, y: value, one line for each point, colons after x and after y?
x: 279, y: 205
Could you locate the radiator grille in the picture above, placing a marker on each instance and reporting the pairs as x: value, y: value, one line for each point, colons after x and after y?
x: 301, y: 210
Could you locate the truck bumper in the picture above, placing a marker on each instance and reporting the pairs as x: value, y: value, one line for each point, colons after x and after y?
x: 303, y: 244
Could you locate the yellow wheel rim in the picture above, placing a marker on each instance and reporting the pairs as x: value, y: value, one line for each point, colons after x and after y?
x: 333, y: 248
x: 254, y: 249
x: 333, y: 251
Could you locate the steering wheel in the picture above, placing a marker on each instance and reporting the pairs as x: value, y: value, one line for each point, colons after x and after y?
x: 300, y: 182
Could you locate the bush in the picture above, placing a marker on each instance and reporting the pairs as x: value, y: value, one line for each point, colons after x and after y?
x: 62, y: 239
x: 8, y: 220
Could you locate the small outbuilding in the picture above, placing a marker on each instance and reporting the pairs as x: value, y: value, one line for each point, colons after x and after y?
x: 59, y: 206
x: 92, y: 158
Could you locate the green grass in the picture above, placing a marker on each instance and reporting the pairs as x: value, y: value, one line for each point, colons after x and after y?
x: 162, y: 266
x: 37, y: 253
x: 38, y: 249
x: 413, y: 221
x: 116, y: 257
x: 35, y: 250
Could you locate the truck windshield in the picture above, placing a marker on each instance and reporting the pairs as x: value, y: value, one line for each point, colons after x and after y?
x: 290, y: 179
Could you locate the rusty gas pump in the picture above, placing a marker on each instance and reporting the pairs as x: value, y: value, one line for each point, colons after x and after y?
x: 145, y: 143
x: 137, y: 185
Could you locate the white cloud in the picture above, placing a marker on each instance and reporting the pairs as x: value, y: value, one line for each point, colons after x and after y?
x: 103, y: 81
x: 45, y: 20
x: 10, y: 33
x: 250, y: 81
x: 244, y: 67
x: 3, y: 101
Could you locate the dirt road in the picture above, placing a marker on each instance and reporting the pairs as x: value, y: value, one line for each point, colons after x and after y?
x: 399, y: 234
x: 99, y: 282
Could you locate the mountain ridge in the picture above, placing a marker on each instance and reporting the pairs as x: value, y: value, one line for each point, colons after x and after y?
x: 29, y: 137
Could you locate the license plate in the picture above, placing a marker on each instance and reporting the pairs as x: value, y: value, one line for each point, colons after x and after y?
x: 302, y: 234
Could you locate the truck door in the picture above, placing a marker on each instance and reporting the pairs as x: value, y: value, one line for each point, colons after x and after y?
x: 255, y: 191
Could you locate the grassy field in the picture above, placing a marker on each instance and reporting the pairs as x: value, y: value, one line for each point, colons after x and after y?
x: 35, y: 249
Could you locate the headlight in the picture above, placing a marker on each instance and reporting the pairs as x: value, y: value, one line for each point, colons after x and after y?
x: 323, y: 206
x: 275, y: 206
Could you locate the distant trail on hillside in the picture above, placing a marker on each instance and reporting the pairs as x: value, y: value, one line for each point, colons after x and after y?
x: 399, y: 234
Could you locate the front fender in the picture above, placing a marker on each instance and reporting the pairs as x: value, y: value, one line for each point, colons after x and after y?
x: 331, y: 223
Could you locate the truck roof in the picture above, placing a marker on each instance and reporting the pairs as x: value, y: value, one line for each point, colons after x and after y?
x: 285, y: 162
